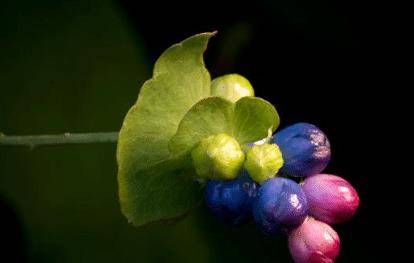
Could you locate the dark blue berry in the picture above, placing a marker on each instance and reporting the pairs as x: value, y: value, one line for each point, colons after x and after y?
x: 280, y: 205
x: 231, y: 200
x: 305, y: 149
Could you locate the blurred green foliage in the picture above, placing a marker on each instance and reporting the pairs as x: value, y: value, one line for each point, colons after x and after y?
x: 77, y: 66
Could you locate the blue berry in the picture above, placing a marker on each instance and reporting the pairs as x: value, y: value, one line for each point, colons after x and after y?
x: 280, y: 205
x: 305, y: 149
x: 231, y: 200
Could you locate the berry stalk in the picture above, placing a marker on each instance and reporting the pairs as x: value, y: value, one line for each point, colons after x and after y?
x: 34, y: 141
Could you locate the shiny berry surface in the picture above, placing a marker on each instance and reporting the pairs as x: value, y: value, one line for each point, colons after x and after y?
x: 280, y: 205
x: 232, y: 87
x: 331, y: 198
x: 305, y: 149
x: 231, y: 200
x: 314, y: 242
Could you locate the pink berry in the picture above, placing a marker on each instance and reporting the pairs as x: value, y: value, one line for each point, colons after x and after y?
x: 331, y: 198
x: 314, y: 242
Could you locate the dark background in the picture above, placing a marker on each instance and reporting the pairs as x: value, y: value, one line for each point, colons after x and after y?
x: 77, y: 66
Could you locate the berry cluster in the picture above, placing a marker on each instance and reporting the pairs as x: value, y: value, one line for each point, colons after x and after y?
x: 263, y: 191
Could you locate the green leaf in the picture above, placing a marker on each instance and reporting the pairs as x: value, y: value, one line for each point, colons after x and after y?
x: 152, y: 184
x: 208, y: 117
x: 253, y: 119
x: 248, y: 120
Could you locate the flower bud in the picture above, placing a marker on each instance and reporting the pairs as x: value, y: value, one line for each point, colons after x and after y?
x: 218, y: 157
x: 305, y: 148
x: 331, y: 198
x: 314, y: 242
x: 263, y: 161
x: 231, y: 87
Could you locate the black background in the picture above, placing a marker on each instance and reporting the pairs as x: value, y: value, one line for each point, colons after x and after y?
x: 316, y: 61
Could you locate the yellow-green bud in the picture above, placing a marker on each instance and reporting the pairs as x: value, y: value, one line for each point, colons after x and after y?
x: 218, y: 157
x: 263, y: 162
x: 231, y: 87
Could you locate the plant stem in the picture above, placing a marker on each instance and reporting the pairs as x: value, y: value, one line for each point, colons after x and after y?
x: 33, y: 141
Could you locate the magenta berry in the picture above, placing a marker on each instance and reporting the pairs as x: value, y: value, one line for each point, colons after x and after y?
x: 314, y: 242
x: 331, y: 198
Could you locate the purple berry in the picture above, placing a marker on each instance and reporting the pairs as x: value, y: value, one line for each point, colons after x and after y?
x: 280, y: 205
x: 231, y: 200
x: 331, y: 198
x: 305, y: 149
x: 314, y: 242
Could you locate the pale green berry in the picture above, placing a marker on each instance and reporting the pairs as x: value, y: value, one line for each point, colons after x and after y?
x: 263, y: 162
x: 231, y: 87
x: 218, y: 157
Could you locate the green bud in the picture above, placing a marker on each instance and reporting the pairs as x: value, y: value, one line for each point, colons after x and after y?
x: 218, y: 157
x: 263, y: 162
x: 231, y: 87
